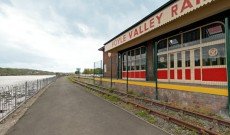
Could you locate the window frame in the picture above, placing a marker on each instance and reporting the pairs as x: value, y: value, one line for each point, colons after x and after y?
x: 134, y: 59
x: 182, y: 41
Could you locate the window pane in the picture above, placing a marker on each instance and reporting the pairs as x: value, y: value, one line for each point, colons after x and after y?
x: 187, y: 59
x: 197, y: 57
x: 138, y: 56
x: 174, y: 42
x: 143, y: 52
x: 124, y: 56
x: 191, y: 37
x: 162, y: 46
x: 162, y: 61
x: 213, y: 32
x: 143, y: 64
x: 214, y: 55
x: 124, y: 66
x: 179, y: 62
x: 132, y: 55
x: 138, y: 63
x: 129, y: 55
x: 171, y: 60
x: 129, y: 63
x: 133, y: 65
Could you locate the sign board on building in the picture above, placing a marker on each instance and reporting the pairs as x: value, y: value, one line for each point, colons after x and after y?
x: 175, y: 10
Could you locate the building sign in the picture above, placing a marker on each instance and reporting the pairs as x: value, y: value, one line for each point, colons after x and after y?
x: 212, y: 52
x: 168, y: 14
x: 215, y: 30
x: 162, y: 59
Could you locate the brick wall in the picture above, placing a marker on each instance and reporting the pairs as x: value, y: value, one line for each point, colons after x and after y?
x: 150, y: 60
x: 106, y: 60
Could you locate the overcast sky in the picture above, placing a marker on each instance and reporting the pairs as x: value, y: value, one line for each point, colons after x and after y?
x: 61, y: 35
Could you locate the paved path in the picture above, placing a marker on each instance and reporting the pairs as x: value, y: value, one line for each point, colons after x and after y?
x: 65, y: 109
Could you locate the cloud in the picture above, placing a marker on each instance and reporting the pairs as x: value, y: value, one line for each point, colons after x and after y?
x: 63, y: 35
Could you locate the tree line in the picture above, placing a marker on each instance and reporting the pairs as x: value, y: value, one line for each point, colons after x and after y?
x: 16, y: 71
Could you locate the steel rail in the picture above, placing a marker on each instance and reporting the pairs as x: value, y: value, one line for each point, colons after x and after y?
x: 179, y: 122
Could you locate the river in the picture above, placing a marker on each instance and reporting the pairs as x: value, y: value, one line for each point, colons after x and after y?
x: 11, y: 80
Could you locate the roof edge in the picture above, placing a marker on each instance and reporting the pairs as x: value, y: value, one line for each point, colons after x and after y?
x: 101, y: 49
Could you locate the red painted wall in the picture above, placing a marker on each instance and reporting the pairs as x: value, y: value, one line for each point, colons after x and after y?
x: 197, y: 74
x: 179, y: 74
x: 187, y: 74
x: 162, y: 74
x: 172, y: 74
x: 214, y: 74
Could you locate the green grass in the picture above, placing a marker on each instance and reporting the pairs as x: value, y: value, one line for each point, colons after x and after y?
x: 112, y: 98
x: 70, y: 78
x: 111, y: 91
x: 145, y: 115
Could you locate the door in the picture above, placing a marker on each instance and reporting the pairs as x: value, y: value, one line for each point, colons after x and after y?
x: 175, y: 67
x: 184, y: 66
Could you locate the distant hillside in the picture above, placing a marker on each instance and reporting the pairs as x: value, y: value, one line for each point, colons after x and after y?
x: 15, y: 71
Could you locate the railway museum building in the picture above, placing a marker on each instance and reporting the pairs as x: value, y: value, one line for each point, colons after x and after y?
x: 182, y: 43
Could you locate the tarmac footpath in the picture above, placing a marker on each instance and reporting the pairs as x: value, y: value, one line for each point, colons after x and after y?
x: 65, y: 109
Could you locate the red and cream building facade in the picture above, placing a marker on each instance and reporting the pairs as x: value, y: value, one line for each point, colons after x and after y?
x: 190, y: 38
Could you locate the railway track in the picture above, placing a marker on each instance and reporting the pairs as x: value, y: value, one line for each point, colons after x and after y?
x: 178, y: 116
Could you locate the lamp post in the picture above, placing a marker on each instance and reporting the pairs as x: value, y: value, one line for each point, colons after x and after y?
x: 155, y: 63
x: 110, y: 55
x: 127, y: 74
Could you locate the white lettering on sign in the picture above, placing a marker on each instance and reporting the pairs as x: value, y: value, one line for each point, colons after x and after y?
x: 168, y: 14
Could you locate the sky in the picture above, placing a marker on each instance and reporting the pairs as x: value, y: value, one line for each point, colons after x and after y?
x: 62, y: 35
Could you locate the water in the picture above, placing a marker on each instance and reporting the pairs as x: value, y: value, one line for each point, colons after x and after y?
x: 14, y: 90
x: 11, y: 80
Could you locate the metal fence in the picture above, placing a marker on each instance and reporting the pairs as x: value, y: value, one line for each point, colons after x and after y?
x: 13, y: 96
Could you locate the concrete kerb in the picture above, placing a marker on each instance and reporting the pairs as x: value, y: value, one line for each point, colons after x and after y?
x: 14, y: 117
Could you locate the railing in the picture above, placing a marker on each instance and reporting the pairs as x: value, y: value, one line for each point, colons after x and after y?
x: 13, y: 96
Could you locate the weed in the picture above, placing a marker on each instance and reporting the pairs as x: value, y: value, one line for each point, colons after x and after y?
x: 130, y: 92
x: 113, y: 88
x: 145, y: 115
x: 113, y: 98
x: 110, y: 91
x: 219, y: 116
x: 204, y: 111
x: 70, y: 78
x: 142, y: 95
x: 129, y: 106
x: 193, y: 132
x: 179, y: 129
